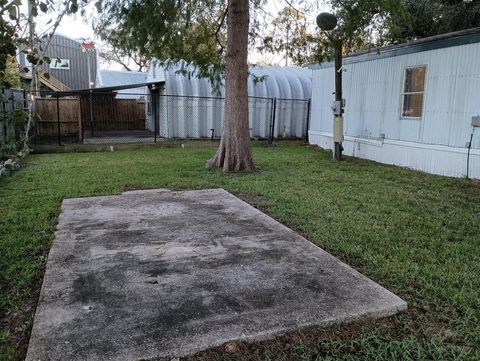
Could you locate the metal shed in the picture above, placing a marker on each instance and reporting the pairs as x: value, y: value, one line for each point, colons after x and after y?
x: 115, y: 78
x: 187, y: 106
x: 409, y: 105
x: 69, y: 66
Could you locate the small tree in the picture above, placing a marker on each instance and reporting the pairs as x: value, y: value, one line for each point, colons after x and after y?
x: 36, y: 45
x: 194, y: 32
x: 13, y: 27
x: 288, y: 35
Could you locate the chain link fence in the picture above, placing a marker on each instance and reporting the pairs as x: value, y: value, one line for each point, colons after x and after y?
x: 101, y: 117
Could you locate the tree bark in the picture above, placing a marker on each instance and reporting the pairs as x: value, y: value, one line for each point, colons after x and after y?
x: 234, y: 152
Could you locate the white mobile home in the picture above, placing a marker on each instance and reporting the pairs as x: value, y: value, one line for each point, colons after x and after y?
x: 410, y: 105
x: 182, y: 105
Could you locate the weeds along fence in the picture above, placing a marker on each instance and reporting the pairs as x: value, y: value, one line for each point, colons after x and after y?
x: 12, y: 119
x: 101, y: 117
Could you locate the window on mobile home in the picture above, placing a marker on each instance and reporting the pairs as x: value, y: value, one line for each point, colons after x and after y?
x: 413, y: 92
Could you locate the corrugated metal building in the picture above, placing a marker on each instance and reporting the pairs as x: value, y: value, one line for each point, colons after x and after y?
x: 116, y: 78
x: 188, y: 108
x: 69, y: 64
x: 410, y: 105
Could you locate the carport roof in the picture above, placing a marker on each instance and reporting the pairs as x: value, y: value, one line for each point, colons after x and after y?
x: 107, y: 89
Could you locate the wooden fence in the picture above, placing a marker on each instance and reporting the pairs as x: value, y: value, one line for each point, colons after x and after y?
x: 110, y: 114
x: 74, y: 115
x: 68, y: 112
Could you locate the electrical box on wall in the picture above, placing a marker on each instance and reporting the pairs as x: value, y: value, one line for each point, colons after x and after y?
x: 476, y: 121
x: 337, y: 108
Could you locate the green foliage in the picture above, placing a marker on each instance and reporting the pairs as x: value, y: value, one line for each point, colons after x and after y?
x: 12, y: 123
x: 170, y: 31
x: 288, y: 35
x: 368, y: 22
x: 11, y: 74
x: 9, y: 18
x: 434, y: 17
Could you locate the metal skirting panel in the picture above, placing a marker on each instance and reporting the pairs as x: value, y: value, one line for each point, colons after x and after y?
x: 429, y: 158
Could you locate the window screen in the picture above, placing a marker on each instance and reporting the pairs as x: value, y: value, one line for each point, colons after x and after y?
x: 413, y: 91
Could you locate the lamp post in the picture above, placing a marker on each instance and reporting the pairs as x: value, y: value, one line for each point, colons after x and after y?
x: 328, y: 22
x: 88, y: 47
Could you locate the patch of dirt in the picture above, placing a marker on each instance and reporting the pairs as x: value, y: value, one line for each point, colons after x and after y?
x: 256, y: 201
x: 294, y: 346
x: 19, y: 322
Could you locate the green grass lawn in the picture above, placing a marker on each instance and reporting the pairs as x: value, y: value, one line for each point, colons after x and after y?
x: 416, y: 234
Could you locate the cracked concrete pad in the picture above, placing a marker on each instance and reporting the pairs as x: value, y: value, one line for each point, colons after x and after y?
x: 159, y: 274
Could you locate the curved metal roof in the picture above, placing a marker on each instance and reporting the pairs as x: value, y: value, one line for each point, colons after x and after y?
x: 264, y: 81
x: 116, y: 78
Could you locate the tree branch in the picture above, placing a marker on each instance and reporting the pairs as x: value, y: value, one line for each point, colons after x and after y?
x: 222, y: 21
x: 289, y: 3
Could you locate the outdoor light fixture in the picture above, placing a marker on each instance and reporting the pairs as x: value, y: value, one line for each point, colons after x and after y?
x: 88, y: 47
x: 327, y: 23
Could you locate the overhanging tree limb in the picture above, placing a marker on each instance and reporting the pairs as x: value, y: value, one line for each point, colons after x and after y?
x: 222, y: 21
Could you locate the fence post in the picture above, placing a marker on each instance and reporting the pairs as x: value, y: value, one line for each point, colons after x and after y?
x: 58, y: 120
x: 155, y: 115
x: 91, y: 113
x: 25, y: 101
x: 4, y: 102
x: 308, y: 117
x: 272, y: 121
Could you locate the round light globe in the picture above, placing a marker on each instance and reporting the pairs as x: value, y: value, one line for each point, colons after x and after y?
x: 326, y: 21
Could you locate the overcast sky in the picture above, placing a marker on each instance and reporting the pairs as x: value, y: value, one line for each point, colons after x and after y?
x: 75, y: 27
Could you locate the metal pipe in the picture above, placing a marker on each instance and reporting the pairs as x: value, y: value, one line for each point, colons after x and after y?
x: 89, y: 71
x: 155, y: 117
x: 308, y: 117
x: 91, y: 113
x: 338, y: 119
x: 468, y: 153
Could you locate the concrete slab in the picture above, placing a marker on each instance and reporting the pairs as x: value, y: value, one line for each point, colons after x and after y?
x: 158, y: 274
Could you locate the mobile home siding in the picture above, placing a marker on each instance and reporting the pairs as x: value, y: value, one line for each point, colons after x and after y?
x: 374, y: 128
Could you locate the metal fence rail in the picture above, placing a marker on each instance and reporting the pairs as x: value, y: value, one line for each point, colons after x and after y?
x: 100, y: 117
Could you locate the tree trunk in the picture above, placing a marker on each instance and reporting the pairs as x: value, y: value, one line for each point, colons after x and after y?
x: 234, y: 152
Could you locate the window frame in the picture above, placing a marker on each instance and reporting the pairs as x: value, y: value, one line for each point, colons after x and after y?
x: 403, y: 93
x: 61, y: 61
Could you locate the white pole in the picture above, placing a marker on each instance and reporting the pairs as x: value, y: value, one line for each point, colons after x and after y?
x: 89, y: 72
